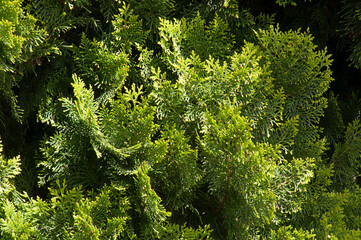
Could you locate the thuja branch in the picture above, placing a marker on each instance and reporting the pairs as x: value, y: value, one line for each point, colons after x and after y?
x: 226, y: 193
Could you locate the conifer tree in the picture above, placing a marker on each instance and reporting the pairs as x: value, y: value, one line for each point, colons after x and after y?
x: 170, y: 119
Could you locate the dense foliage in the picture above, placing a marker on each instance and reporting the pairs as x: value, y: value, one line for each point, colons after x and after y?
x: 162, y: 119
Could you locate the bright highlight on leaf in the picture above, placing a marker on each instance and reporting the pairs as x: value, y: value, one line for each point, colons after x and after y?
x: 163, y: 119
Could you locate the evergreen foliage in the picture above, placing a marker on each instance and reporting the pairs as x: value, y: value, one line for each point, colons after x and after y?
x: 20, y: 42
x: 350, y: 15
x: 170, y: 119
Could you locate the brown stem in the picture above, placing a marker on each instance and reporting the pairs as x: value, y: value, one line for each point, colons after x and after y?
x: 224, y: 199
x: 225, y: 196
